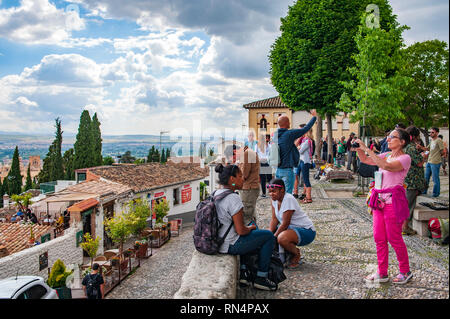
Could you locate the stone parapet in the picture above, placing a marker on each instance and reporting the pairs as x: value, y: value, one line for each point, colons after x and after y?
x: 209, y: 277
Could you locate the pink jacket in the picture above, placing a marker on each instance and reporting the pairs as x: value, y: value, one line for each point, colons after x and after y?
x: 399, y: 201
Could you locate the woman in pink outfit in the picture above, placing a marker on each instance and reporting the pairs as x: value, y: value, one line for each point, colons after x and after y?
x: 389, y: 205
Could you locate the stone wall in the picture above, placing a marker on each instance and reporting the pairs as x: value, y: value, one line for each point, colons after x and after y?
x: 209, y: 277
x: 26, y: 262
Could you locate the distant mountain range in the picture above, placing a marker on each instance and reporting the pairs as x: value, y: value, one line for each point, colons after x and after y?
x: 112, y: 145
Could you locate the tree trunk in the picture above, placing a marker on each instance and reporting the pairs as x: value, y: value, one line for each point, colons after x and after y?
x: 330, y: 138
x: 318, y: 136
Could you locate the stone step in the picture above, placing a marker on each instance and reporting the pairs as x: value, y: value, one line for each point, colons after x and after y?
x: 422, y: 213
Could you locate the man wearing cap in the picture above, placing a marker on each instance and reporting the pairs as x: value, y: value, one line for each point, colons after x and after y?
x: 289, y: 155
x: 248, y: 162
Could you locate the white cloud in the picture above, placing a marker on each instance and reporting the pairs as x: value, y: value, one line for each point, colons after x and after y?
x: 22, y: 100
x: 38, y: 22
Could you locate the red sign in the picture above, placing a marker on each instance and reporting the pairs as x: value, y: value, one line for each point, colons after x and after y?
x: 186, y: 195
x: 159, y: 194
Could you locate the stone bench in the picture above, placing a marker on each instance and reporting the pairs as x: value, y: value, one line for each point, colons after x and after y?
x: 209, y: 277
x: 422, y: 215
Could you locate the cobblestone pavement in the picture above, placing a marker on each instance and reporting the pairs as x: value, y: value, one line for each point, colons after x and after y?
x: 159, y: 276
x: 342, y: 254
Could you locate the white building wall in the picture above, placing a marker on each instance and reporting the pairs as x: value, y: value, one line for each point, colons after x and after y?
x: 26, y: 262
x: 300, y: 117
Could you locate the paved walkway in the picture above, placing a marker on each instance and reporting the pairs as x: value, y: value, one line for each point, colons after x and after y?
x: 159, y: 276
x: 342, y: 254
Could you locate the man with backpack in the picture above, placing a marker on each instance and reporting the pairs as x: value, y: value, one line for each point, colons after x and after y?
x: 93, y: 284
x: 288, y: 154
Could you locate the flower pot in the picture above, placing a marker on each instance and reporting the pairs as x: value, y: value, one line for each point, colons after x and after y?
x: 141, y: 252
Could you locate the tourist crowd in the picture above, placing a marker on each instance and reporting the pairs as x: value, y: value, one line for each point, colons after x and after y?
x: 404, y: 168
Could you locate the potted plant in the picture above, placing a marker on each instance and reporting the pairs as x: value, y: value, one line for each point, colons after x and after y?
x: 32, y: 239
x: 161, y: 210
x: 90, y: 246
x: 57, y: 279
x: 139, y: 212
x: 118, y: 230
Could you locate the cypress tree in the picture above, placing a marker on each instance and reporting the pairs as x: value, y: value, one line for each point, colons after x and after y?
x: 68, y: 160
x: 29, y: 183
x: 156, y: 157
x: 53, y: 168
x: 96, y: 142
x: 57, y: 168
x: 82, y: 146
x: 163, y: 156
x: 14, y: 178
x: 151, y: 152
x: 44, y: 174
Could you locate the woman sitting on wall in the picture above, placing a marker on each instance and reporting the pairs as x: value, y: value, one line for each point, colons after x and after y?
x: 290, y: 224
x: 241, y: 239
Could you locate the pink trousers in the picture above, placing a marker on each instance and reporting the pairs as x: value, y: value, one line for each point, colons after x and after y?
x: 386, y: 229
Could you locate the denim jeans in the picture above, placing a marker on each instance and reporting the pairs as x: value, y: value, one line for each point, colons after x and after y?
x: 304, y: 168
x: 433, y: 170
x: 259, y: 240
x: 287, y: 175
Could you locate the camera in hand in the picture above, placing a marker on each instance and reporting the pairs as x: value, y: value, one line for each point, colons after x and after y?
x: 354, y: 145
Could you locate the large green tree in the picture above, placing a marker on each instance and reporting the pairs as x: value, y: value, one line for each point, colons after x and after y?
x: 426, y: 102
x: 377, y: 90
x: 14, y: 178
x: 53, y: 167
x: 68, y: 160
x: 83, y: 144
x: 312, y: 56
x: 97, y: 159
x: 29, y: 182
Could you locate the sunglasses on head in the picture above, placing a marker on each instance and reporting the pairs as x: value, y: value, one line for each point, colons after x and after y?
x: 273, y: 186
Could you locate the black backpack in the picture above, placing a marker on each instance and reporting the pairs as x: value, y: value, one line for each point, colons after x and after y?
x: 276, y: 267
x: 207, y: 225
x: 91, y: 287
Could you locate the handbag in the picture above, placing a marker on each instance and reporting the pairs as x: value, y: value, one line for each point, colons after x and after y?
x: 366, y: 170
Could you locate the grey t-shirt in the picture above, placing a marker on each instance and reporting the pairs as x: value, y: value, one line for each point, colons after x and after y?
x: 226, y: 208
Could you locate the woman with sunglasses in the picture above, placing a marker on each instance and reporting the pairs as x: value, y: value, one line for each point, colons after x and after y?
x: 290, y: 224
x: 389, y: 204
x: 242, y: 240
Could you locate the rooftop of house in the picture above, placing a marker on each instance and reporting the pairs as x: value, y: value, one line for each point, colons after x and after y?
x: 99, y: 187
x: 273, y: 102
x: 150, y: 176
x: 15, y: 237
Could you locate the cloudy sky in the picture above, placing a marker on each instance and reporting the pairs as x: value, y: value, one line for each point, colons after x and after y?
x: 150, y: 65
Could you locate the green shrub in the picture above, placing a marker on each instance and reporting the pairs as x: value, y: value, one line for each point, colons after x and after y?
x: 58, y: 275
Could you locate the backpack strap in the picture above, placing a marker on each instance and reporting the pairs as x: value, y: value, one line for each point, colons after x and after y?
x: 220, y: 197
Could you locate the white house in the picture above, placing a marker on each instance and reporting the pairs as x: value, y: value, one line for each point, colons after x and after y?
x: 178, y: 183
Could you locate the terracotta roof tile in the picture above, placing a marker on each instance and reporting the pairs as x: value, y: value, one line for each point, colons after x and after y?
x: 15, y: 237
x: 151, y: 175
x: 99, y: 187
x: 273, y: 102
x: 83, y: 205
